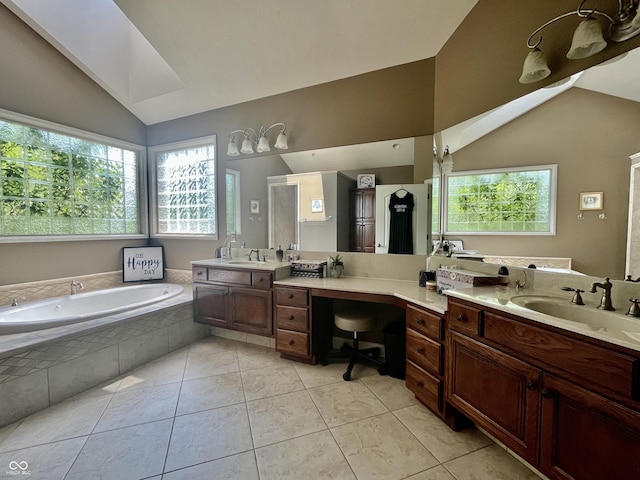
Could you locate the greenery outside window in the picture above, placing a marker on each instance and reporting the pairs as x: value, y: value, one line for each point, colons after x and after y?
x: 183, y: 188
x: 60, y: 182
x: 233, y: 201
x: 509, y: 201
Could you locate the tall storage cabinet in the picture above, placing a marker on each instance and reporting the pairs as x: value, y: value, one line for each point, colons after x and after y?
x: 362, y: 224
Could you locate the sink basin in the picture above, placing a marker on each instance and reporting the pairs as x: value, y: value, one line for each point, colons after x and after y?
x: 240, y: 262
x: 561, y: 308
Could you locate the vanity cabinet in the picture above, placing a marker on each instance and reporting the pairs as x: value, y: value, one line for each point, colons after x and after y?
x: 235, y: 299
x: 362, y: 220
x: 567, y: 404
x: 293, y: 325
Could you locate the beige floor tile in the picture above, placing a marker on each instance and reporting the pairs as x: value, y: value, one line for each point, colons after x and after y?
x: 140, y: 405
x: 391, y: 391
x: 251, y: 357
x: 442, y: 441
x: 312, y: 456
x: 270, y: 381
x: 210, y: 392
x: 51, y: 461
x: 209, y: 435
x: 105, y: 388
x: 381, y: 448
x: 205, y: 363
x: 435, y: 473
x: 346, y: 402
x: 131, y: 452
x: 214, y: 345
x: 318, y: 375
x: 283, y: 417
x: 236, y: 467
x: 72, y: 418
x: 489, y: 463
x: 167, y: 369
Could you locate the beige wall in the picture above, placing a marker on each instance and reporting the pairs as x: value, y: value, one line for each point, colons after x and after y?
x: 590, y: 137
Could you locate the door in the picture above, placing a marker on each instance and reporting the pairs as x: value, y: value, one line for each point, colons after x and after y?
x: 497, y: 391
x: 210, y: 304
x: 586, y: 437
x: 421, y: 216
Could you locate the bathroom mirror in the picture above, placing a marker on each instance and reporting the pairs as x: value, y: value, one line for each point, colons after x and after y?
x: 602, y: 143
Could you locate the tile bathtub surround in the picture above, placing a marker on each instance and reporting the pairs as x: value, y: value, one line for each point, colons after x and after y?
x: 220, y: 408
x: 32, y: 291
x: 50, y: 372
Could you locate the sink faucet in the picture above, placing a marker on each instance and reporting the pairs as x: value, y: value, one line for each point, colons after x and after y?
x: 75, y: 286
x: 605, y: 301
x: 257, y: 254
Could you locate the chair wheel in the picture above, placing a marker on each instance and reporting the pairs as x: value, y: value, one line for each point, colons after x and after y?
x: 376, y: 353
x: 346, y: 377
x: 324, y: 362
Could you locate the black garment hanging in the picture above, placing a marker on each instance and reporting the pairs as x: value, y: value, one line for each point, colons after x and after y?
x: 401, y: 227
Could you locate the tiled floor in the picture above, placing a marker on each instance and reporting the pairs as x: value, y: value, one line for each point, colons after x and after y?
x: 220, y: 409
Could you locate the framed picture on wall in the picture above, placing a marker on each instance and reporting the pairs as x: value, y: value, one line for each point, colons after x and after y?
x: 591, y: 201
x: 142, y: 263
x: 254, y: 206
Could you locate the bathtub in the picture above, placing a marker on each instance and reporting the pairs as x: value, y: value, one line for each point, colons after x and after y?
x: 57, y: 311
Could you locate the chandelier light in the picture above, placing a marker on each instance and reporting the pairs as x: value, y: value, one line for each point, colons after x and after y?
x: 256, y: 141
x: 587, y: 38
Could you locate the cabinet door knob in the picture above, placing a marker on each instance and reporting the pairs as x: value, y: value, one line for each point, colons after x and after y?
x: 291, y: 342
x: 420, y: 321
x: 461, y: 318
x: 290, y: 295
x: 291, y: 317
x: 546, y: 393
x: 531, y: 385
x: 420, y: 349
x: 199, y: 274
x: 420, y: 384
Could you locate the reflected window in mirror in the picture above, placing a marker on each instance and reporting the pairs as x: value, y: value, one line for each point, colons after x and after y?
x: 507, y: 201
x: 233, y: 202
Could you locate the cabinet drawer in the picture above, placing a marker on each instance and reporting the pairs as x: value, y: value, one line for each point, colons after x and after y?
x: 294, y: 343
x: 465, y: 319
x: 261, y: 279
x: 229, y: 276
x: 424, y: 352
x: 425, y: 323
x: 292, y: 318
x: 595, y: 367
x: 199, y: 274
x: 297, y: 297
x: 427, y: 388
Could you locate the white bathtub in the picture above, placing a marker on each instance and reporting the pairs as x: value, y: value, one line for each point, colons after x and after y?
x: 57, y: 311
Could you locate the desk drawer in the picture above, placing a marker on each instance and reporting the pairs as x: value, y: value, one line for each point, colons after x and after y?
x: 465, y: 319
x: 229, y: 276
x: 424, y: 322
x: 293, y: 343
x: 292, y: 318
x: 424, y: 352
x: 297, y: 297
x: 426, y: 388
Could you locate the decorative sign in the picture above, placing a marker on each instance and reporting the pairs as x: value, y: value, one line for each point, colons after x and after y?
x: 317, y: 206
x: 591, y: 201
x: 142, y: 263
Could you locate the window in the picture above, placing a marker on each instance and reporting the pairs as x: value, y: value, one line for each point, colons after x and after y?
x: 53, y: 183
x: 502, y: 201
x: 233, y: 201
x: 184, y: 190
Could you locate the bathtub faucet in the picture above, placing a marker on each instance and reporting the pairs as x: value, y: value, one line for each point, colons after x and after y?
x: 75, y: 286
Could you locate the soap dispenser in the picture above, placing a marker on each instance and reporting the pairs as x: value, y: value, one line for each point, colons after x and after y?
x: 279, y: 253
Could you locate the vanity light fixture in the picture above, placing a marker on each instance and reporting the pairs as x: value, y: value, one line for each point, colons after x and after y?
x: 587, y: 38
x: 258, y: 139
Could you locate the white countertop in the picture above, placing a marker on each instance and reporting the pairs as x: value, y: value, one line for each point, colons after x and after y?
x: 499, y: 298
x: 280, y: 269
x: 404, y: 289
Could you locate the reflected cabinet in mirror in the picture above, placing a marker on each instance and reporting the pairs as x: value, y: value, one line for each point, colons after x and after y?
x: 586, y: 126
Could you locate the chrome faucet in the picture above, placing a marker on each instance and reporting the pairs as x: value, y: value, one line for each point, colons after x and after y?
x: 605, y: 301
x: 257, y: 254
x: 75, y: 286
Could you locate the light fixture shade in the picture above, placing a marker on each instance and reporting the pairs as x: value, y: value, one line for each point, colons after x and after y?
x: 281, y: 142
x: 246, y: 146
x: 587, y: 40
x: 263, y: 144
x: 535, y: 67
x: 232, y: 149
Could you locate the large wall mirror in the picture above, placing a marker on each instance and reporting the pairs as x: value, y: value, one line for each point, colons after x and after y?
x: 587, y: 125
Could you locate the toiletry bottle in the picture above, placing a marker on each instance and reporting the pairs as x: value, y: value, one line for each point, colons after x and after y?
x: 279, y: 253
